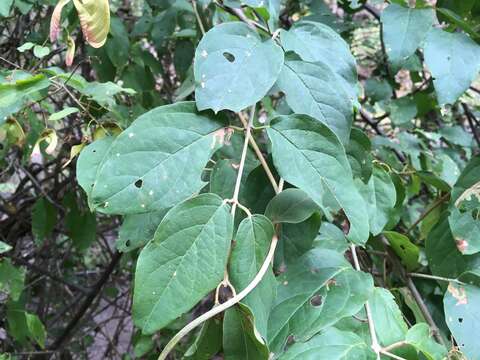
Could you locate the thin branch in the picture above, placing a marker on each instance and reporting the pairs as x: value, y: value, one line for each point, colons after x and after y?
x: 197, y: 15
x: 63, y: 338
x: 436, y: 204
x: 471, y: 119
x: 260, y: 156
x: 434, y: 277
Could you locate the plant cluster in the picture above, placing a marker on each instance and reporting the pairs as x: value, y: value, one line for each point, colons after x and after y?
x: 256, y: 179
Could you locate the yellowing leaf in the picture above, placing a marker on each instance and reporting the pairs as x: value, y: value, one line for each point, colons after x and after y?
x: 55, y: 21
x: 95, y: 20
x: 70, y: 51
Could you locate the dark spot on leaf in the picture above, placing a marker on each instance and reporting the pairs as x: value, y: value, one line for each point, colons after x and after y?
x: 402, y: 247
x: 127, y: 243
x: 229, y: 56
x: 316, y: 300
x: 94, y: 150
x: 139, y: 183
x: 1, y: 146
x: 460, y: 320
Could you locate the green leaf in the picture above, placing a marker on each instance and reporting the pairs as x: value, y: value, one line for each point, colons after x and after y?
x: 314, y: 89
x: 80, y: 226
x: 208, y: 341
x: 404, y: 30
x: 402, y: 110
x: 316, y: 42
x: 419, y: 337
x: 407, y: 251
x: 252, y: 243
x: 296, y: 240
x: 359, y: 154
x: 44, y: 219
x: 444, y: 258
x: 223, y: 178
x: 314, y: 293
x: 380, y: 196
x: 170, y: 147
x: 234, y: 68
x: 465, y: 230
x: 40, y: 51
x: 89, y: 162
x: 445, y: 56
x: 5, y: 7
x: 462, y: 311
x: 389, y: 324
x: 4, y: 247
x: 36, y: 329
x: 291, y: 206
x: 143, y: 345
x: 11, y: 279
x: 20, y: 87
x: 185, y: 260
x: 63, y: 113
x: 240, y: 340
x: 332, y: 344
x: 25, y: 47
x: 308, y: 155
x: 331, y: 237
x: 138, y: 229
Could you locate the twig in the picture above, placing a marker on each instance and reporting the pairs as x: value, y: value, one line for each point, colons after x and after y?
x: 390, y: 355
x: 241, y: 15
x: 260, y: 156
x: 434, y: 277
x: 436, y: 204
x: 197, y: 15
x: 413, y: 289
x: 63, y: 338
x: 371, y: 325
x: 471, y: 118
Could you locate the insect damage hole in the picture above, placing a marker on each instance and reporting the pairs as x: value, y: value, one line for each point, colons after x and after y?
x: 229, y: 56
x: 316, y: 300
x: 139, y: 183
x: 460, y: 320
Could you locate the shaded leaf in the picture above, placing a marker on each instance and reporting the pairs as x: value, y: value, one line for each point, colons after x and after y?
x: 407, y: 251
x: 239, y: 338
x: 308, y: 155
x: 291, y: 206
x: 208, y: 342
x: 44, y: 219
x: 252, y: 243
x: 419, y: 336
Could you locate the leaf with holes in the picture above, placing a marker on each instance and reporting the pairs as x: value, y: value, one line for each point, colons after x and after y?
x: 331, y: 344
x: 185, y: 260
x: 158, y: 161
x: 314, y: 293
x: 462, y: 309
x: 407, y: 251
x: 234, y: 68
x: 307, y: 154
x: 465, y: 230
